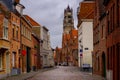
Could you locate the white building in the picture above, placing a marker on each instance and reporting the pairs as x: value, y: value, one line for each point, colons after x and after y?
x: 85, y: 39
x: 46, y: 50
x: 85, y: 34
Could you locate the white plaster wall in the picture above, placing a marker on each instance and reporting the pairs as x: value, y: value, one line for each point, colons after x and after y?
x: 85, y: 35
x: 87, y: 42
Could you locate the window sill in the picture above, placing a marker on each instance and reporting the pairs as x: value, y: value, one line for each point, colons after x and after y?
x: 4, y: 39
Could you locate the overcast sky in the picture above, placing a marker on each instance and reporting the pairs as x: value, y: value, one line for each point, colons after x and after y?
x: 50, y: 13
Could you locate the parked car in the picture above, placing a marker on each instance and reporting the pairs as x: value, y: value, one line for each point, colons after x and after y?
x: 64, y: 64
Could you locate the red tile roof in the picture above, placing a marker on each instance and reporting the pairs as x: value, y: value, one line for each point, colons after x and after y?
x: 74, y: 32
x: 86, y: 10
x: 33, y: 22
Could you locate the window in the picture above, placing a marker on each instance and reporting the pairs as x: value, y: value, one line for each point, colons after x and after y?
x: 118, y: 13
x: 98, y: 66
x: 69, y: 16
x: 86, y: 48
x: 102, y: 32
x: 0, y: 61
x: 13, y: 31
x: 5, y: 29
x: 23, y: 30
x: 17, y: 34
x: 13, y: 59
x: 106, y: 2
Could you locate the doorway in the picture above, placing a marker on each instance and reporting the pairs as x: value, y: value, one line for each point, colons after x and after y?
x: 28, y: 60
x: 104, y: 65
x: 7, y: 63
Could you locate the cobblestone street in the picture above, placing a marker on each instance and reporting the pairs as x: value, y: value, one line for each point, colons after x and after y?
x: 65, y: 73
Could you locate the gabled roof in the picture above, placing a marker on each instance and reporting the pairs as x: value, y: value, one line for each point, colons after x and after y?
x: 86, y: 10
x: 33, y: 22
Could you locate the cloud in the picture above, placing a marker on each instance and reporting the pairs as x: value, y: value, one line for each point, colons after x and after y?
x: 50, y: 13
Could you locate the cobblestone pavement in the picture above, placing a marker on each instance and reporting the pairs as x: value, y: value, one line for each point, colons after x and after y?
x: 65, y: 73
x: 25, y: 76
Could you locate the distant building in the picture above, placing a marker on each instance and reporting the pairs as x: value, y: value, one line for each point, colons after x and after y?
x: 73, y: 44
x: 58, y: 56
x: 68, y: 22
x: 36, y: 36
x: 35, y: 53
x: 46, y: 50
x: 69, y: 39
x: 85, y: 33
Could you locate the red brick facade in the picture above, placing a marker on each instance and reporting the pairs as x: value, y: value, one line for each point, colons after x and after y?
x: 107, y: 39
x: 70, y: 47
x: 113, y: 38
x: 58, y: 56
x: 99, y: 40
x: 35, y: 53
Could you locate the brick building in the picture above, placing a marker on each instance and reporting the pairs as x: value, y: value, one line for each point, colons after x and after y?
x: 10, y: 35
x: 99, y: 40
x: 65, y: 48
x: 15, y: 42
x: 69, y: 38
x: 4, y: 40
x: 36, y: 39
x: 58, y: 56
x: 112, y: 8
x: 106, y: 30
x: 35, y: 53
x: 26, y: 44
x: 73, y: 43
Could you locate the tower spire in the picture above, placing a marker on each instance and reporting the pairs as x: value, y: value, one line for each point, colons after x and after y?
x: 68, y: 22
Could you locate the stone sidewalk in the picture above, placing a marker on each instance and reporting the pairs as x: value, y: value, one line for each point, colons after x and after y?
x: 25, y: 76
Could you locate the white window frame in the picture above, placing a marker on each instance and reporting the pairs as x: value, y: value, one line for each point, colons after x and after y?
x: 5, y: 28
x: 13, y: 59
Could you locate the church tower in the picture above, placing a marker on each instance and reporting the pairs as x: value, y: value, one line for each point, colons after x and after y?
x: 68, y: 22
